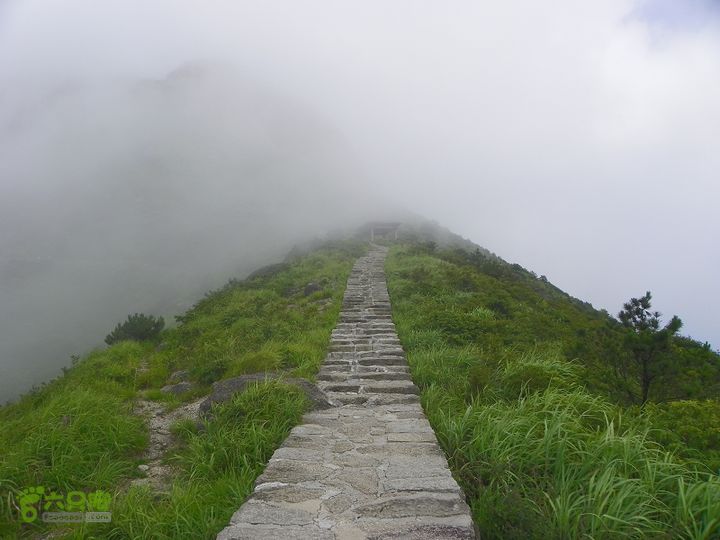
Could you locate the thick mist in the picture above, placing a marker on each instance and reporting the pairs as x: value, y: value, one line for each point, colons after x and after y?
x: 149, y: 151
x: 143, y: 195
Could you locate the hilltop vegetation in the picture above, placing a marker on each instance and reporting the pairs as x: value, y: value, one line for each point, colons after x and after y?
x: 521, y: 384
x: 532, y: 394
x: 80, y: 432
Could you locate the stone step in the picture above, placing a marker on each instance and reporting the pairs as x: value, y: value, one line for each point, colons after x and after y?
x: 352, y: 342
x: 382, y: 376
x: 345, y: 368
x: 389, y: 383
x: 387, y: 350
x: 382, y: 361
x: 391, y: 387
x: 337, y: 362
x: 403, y: 368
x: 382, y: 351
x: 391, y: 399
x: 367, y: 372
x: 331, y: 377
x: 347, y: 399
x: 344, y: 387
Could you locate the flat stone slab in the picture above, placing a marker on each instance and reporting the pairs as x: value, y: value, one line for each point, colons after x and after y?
x: 418, y: 504
x: 368, y: 467
x: 269, y: 532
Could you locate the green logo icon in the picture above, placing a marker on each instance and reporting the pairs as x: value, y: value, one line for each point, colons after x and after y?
x: 52, y: 506
x: 29, y: 499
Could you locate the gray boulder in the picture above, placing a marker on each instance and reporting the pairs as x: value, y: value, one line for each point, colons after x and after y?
x: 224, y: 390
x: 178, y: 388
x: 179, y: 376
x: 311, y: 288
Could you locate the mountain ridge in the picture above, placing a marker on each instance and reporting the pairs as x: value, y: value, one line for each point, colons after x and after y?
x: 489, y: 344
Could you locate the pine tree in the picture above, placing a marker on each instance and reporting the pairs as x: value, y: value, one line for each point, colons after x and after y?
x: 647, y: 343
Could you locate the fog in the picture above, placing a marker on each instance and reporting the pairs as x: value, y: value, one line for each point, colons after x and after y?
x: 149, y: 151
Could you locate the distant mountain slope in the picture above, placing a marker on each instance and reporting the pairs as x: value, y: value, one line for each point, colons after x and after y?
x: 521, y: 383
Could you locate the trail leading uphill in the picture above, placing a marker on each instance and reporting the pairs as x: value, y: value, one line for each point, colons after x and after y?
x: 370, y: 467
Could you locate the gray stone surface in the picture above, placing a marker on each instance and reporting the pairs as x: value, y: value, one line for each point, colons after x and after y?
x: 179, y: 376
x: 369, y: 466
x: 311, y: 288
x: 178, y: 388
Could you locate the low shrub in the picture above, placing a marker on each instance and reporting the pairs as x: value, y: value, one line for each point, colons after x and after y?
x: 690, y: 428
x: 137, y: 327
x: 210, y: 371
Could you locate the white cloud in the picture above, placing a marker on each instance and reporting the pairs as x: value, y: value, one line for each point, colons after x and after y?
x: 577, y: 138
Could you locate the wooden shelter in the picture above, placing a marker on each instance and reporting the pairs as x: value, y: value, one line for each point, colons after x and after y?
x: 384, y: 229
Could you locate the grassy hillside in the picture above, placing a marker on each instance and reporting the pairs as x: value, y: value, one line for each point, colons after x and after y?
x: 518, y: 381
x: 79, y: 432
x: 521, y: 382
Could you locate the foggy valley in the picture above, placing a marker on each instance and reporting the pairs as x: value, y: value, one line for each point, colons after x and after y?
x: 149, y: 153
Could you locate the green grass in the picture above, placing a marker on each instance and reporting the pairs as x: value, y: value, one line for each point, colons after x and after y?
x: 533, y: 434
x: 89, y: 404
x: 219, y: 465
x: 515, y: 376
x: 79, y: 432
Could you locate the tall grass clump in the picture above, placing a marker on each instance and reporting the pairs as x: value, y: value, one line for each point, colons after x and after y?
x: 531, y: 371
x: 570, y: 456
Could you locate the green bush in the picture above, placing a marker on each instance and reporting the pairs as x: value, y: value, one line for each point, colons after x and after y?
x: 457, y: 327
x: 461, y: 279
x: 137, y: 327
x: 210, y: 371
x: 690, y: 428
x: 480, y: 376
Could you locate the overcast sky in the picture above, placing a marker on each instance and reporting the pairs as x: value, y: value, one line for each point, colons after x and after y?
x: 580, y: 139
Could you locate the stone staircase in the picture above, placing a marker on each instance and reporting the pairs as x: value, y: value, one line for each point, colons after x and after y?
x: 371, y: 466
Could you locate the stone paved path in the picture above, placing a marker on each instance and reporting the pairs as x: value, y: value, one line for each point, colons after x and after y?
x: 370, y: 467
